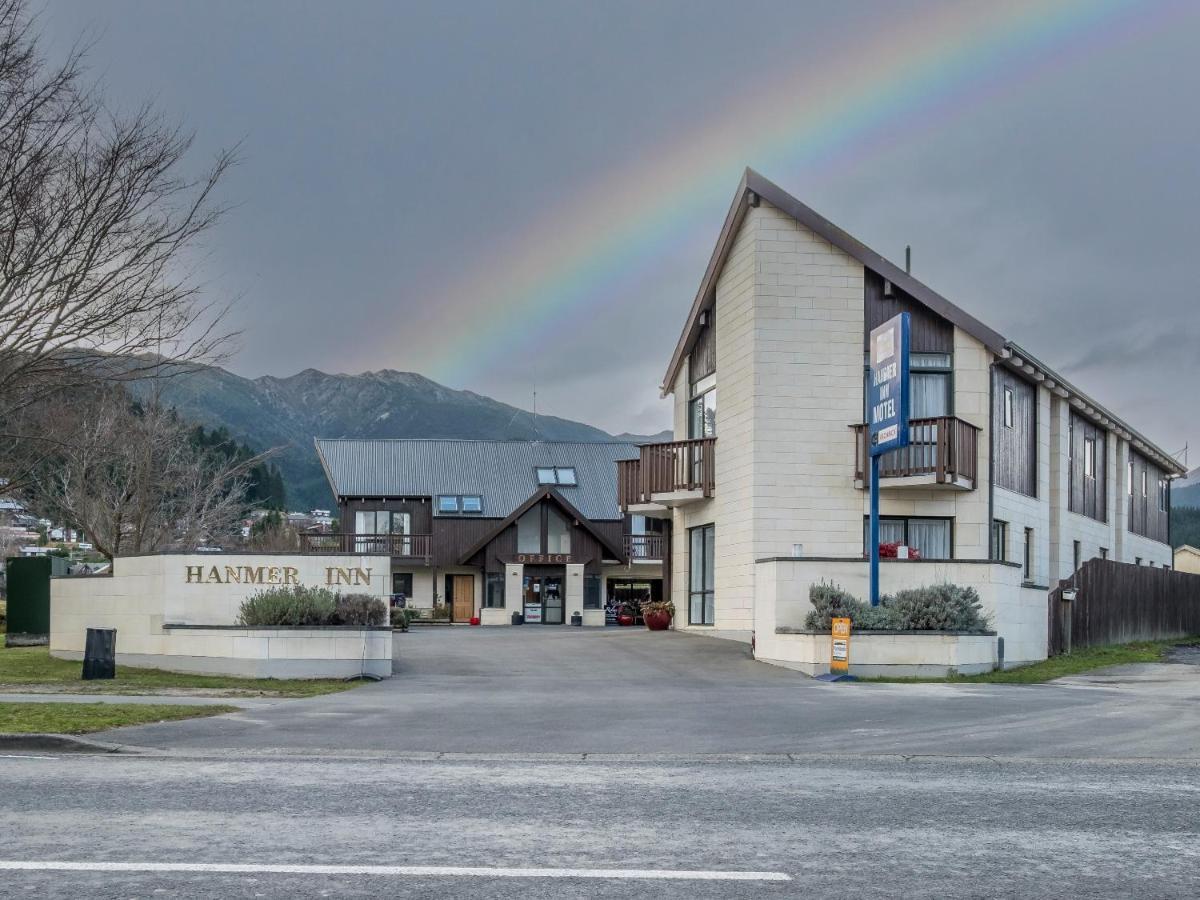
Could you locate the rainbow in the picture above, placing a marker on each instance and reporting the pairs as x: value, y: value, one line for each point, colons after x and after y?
x: 592, y: 253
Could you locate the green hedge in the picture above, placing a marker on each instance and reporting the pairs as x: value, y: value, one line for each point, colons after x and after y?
x: 939, y: 607
x: 300, y: 605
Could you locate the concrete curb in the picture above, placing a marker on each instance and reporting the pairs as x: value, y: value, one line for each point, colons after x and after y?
x: 59, y: 743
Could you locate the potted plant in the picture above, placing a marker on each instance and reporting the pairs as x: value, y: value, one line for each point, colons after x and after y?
x: 629, y: 613
x: 657, y: 614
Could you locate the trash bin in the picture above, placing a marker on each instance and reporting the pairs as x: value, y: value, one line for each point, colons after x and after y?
x: 576, y: 618
x: 518, y: 619
x: 100, y: 654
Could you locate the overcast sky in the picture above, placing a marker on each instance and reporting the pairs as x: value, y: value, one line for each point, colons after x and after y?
x: 397, y: 157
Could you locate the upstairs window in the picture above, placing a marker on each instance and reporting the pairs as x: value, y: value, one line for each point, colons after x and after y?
x: 467, y: 504
x: 560, y: 475
x: 472, y: 503
x: 1145, y: 483
x: 1163, y: 493
x: 447, y: 504
x: 1089, y: 457
x: 702, y: 415
x: 1008, y: 408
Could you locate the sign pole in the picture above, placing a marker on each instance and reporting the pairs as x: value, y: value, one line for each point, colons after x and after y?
x: 887, y: 413
x: 874, y: 530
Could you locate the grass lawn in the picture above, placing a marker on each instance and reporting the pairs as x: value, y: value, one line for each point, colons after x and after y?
x: 23, y: 668
x: 80, y: 718
x: 1084, y: 660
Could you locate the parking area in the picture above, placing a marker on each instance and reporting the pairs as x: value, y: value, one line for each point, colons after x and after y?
x: 537, y: 690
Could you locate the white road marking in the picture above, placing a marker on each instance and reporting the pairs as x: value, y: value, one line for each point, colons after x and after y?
x: 420, y: 871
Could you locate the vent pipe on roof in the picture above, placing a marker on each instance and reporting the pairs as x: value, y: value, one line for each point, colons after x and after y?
x: 908, y: 259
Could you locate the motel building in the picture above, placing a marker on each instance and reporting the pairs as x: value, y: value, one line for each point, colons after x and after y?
x: 499, y: 531
x: 1013, y: 478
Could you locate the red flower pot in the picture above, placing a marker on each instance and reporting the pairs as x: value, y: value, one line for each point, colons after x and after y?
x: 474, y: 620
x: 624, y: 619
x: 657, y: 621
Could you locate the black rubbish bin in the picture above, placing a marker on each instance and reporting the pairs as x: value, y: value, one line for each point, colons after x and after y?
x: 576, y: 618
x: 100, y: 654
x: 518, y: 619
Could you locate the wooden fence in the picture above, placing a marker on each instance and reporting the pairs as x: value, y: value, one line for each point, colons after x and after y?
x: 1116, y: 603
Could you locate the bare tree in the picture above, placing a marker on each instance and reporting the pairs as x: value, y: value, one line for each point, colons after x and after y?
x: 132, y: 478
x: 273, y: 534
x: 96, y: 221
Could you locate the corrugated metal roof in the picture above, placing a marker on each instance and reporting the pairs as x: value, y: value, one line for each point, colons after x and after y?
x: 501, y: 472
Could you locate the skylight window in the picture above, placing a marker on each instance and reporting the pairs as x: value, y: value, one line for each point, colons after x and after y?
x: 472, y: 504
x: 467, y: 504
x: 560, y: 475
x: 447, y: 503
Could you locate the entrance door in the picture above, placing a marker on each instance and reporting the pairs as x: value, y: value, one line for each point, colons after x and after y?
x: 552, y: 600
x: 464, y: 597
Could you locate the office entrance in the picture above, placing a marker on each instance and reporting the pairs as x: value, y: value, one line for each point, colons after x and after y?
x: 542, y: 596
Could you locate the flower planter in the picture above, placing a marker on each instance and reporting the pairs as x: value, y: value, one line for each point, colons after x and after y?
x: 657, y: 621
x: 474, y: 620
x: 624, y: 619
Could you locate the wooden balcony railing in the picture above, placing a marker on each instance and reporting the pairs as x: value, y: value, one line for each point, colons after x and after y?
x: 946, y: 448
x: 643, y: 546
x: 667, y: 468
x: 404, y: 546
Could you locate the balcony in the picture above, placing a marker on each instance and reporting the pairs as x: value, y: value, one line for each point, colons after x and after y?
x: 667, y: 475
x: 400, y: 546
x: 642, y: 548
x: 942, y: 452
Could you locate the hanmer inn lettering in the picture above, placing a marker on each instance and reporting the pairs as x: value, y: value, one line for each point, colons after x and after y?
x: 334, y: 575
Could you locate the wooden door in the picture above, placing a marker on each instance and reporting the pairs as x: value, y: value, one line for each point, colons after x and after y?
x: 463, y: 589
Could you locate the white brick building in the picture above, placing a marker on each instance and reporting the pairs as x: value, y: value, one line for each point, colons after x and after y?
x: 1013, y: 478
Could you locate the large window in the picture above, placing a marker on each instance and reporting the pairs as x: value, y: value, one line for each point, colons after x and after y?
x: 493, y: 595
x: 701, y: 571
x: 929, y: 385
x: 529, y: 531
x: 929, y: 537
x: 558, y: 532
x: 702, y: 415
x: 370, y: 525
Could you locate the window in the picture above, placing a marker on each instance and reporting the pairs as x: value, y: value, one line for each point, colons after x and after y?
x: 558, y: 532
x: 701, y: 571
x: 1145, y: 482
x: 591, y: 591
x: 472, y: 504
x: 1028, y: 570
x: 1104, y: 553
x: 529, y: 531
x: 469, y: 504
x: 1008, y: 408
x: 999, y: 540
x: 1089, y: 457
x: 929, y: 537
x: 1138, y: 561
x: 1163, y: 494
x: 702, y: 415
x: 493, y: 594
x: 402, y: 585
x: 1077, y: 554
x: 447, y: 504
x: 929, y: 385
x: 561, y: 475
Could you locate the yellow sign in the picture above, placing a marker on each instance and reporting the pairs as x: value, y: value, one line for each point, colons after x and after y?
x: 839, y: 648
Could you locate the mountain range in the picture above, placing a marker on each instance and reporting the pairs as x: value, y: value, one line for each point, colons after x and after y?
x: 287, y: 413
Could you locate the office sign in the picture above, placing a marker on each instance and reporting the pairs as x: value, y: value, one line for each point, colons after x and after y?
x: 839, y: 647
x: 887, y: 387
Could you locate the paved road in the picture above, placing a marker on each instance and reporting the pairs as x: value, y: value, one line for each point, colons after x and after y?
x: 853, y: 826
x: 466, y: 690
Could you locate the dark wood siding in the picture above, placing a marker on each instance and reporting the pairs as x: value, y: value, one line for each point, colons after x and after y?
x: 702, y: 360
x: 930, y: 332
x: 1088, y: 496
x: 1014, y: 448
x: 1145, y: 515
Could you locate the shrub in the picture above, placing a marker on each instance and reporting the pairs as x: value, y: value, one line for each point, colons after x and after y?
x: 941, y: 607
x: 658, y: 606
x: 359, y: 609
x: 439, y: 611
x: 297, y: 605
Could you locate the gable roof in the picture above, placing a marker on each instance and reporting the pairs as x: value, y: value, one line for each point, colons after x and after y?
x: 501, y: 472
x: 551, y: 495
x: 754, y: 187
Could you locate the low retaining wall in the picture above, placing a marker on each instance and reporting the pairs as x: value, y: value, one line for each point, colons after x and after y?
x: 168, y: 619
x: 1017, y: 612
x: 343, y: 651
x: 875, y: 654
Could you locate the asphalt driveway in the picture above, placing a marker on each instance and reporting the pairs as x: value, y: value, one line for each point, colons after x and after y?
x: 590, y: 691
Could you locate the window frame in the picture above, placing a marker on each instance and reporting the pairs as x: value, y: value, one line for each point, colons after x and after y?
x: 1027, y: 562
x: 1000, y: 537
x: 441, y: 503
x: 698, y: 401
x: 1008, y: 407
x: 907, y: 520
x: 709, y: 590
x: 462, y: 503
x: 1089, y: 458
x: 491, y: 580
